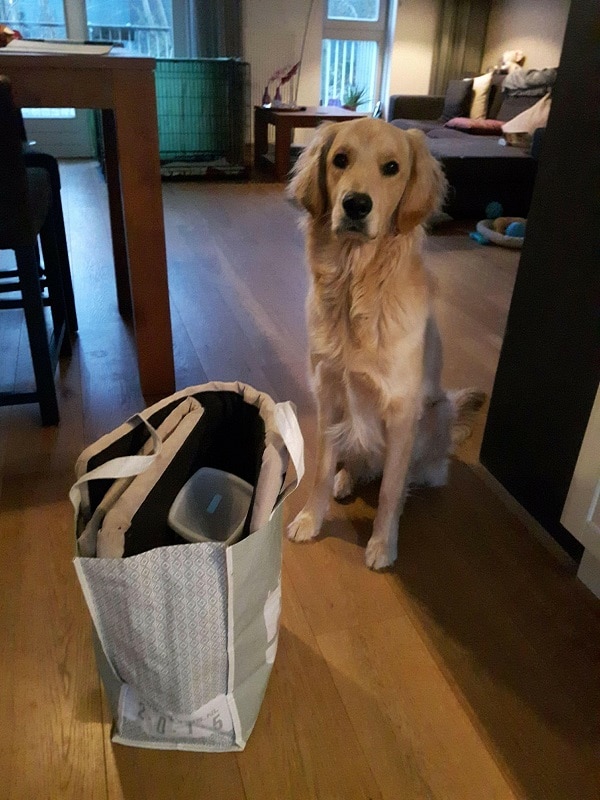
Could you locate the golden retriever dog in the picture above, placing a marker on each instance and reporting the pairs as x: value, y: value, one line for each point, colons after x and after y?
x: 375, y: 350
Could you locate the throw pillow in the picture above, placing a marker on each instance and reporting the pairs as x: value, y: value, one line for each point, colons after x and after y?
x: 496, y: 96
x: 457, y: 101
x: 535, y: 117
x: 479, y: 100
x: 513, y: 105
x: 482, y: 127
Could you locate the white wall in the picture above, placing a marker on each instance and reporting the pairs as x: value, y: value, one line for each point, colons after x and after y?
x: 413, y: 47
x: 273, y: 33
x: 537, y: 27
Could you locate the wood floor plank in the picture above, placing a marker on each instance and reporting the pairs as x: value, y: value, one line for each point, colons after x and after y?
x: 165, y: 774
x: 348, y: 594
x: 31, y: 449
x: 494, y: 605
x: 232, y: 315
x: 390, y: 686
x: 303, y: 745
x: 51, y: 744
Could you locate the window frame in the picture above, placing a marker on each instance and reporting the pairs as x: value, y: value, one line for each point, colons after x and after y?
x: 362, y: 31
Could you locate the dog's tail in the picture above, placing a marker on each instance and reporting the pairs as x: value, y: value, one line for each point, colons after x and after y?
x: 467, y: 403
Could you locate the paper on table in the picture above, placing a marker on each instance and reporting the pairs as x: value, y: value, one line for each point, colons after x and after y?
x: 56, y: 48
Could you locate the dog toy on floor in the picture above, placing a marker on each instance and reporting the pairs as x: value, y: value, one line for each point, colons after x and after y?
x: 497, y: 229
x: 504, y: 231
x: 493, y: 211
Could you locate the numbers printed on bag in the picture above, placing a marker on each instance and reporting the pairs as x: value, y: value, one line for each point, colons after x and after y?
x: 161, y: 725
x: 212, y: 719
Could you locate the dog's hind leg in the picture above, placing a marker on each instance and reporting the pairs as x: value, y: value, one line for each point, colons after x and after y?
x: 467, y: 403
x: 429, y: 465
x: 343, y: 485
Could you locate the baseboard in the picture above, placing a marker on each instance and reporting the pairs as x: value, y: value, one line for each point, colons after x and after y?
x: 532, y: 525
x: 589, y: 572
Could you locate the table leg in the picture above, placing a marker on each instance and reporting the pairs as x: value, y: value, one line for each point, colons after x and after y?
x: 141, y: 190
x: 261, y: 137
x: 283, y: 146
x: 115, y: 207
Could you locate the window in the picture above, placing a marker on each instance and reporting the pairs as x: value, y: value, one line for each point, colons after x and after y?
x: 35, y: 19
x: 144, y: 27
x: 356, y: 10
x: 353, y: 43
x: 155, y: 28
x: 141, y: 26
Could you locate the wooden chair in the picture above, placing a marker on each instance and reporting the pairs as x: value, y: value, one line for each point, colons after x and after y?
x: 25, y: 215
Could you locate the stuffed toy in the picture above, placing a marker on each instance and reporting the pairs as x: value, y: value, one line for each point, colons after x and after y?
x: 502, y: 224
x: 511, y: 60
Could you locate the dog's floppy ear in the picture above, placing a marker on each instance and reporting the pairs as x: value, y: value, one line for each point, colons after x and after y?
x: 309, y: 183
x: 426, y: 186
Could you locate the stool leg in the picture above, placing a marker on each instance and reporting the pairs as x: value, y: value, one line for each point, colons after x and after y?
x: 58, y: 222
x: 56, y: 293
x: 27, y: 267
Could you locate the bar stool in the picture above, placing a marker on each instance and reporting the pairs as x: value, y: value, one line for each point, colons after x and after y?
x: 25, y: 216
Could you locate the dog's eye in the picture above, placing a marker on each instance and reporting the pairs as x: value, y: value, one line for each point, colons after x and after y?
x: 390, y: 168
x: 340, y: 160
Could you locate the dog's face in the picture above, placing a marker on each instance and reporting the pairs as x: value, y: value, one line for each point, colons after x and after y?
x: 366, y: 178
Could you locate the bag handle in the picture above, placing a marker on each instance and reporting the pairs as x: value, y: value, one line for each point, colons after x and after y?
x: 130, y: 466
x: 289, y: 429
x: 121, y: 467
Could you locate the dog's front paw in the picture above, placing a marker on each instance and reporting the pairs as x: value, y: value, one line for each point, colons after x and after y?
x: 380, y: 553
x: 303, y: 528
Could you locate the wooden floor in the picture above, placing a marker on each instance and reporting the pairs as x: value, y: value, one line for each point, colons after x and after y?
x: 470, y: 671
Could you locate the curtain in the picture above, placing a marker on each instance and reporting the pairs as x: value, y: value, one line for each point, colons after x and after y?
x: 217, y: 28
x: 460, y: 39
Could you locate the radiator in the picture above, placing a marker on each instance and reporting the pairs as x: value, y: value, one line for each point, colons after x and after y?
x: 203, y: 110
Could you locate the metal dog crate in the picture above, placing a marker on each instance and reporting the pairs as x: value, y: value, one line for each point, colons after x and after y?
x: 203, y: 117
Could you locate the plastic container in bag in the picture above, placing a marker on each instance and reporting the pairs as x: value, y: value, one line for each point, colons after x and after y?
x: 211, y: 507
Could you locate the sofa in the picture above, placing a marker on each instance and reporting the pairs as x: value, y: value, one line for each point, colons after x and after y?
x: 464, y: 132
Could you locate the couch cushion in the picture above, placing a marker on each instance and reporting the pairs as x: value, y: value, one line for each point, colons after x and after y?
x: 479, y: 99
x: 472, y: 147
x: 447, y: 133
x: 495, y: 96
x: 511, y: 106
x: 480, y: 127
x: 531, y: 119
x: 457, y: 101
x: 424, y: 125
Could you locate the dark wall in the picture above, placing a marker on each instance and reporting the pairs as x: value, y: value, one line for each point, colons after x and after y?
x: 549, y: 367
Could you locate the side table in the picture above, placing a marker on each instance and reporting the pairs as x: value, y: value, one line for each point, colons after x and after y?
x: 284, y: 122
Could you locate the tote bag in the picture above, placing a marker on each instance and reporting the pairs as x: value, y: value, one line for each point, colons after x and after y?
x: 185, y: 635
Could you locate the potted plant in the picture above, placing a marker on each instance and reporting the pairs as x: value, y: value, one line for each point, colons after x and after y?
x: 354, y: 97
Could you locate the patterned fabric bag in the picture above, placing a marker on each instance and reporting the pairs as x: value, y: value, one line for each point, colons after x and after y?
x: 185, y: 634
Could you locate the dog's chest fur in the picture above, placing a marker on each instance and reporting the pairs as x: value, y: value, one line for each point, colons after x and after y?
x: 367, y: 310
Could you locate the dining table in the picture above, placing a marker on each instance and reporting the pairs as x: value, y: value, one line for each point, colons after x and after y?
x: 122, y: 86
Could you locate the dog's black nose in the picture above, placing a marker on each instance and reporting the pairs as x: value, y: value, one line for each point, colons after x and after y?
x: 357, y: 205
